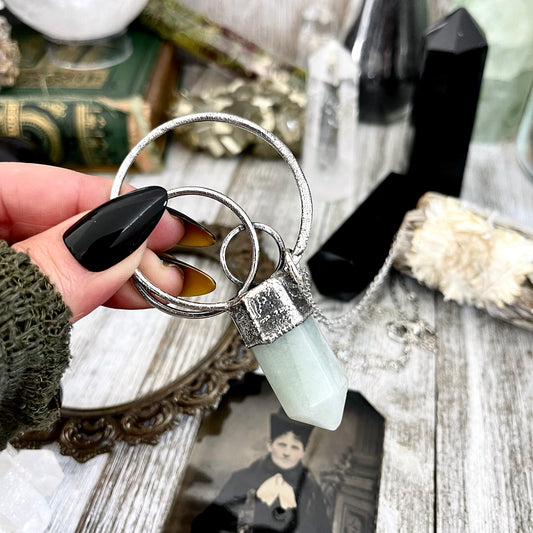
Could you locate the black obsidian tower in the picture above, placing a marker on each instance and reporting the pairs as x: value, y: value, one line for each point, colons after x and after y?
x: 445, y: 102
x: 353, y: 255
x: 444, y: 109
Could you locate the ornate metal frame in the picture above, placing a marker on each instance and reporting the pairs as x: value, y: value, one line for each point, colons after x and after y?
x: 85, y: 433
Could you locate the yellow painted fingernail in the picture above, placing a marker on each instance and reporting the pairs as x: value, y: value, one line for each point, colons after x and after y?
x: 195, y: 281
x: 195, y: 234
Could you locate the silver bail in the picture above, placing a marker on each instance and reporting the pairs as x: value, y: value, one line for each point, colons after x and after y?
x: 272, y: 308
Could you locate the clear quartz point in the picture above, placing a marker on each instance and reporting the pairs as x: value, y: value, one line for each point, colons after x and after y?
x: 318, y: 25
x: 305, y: 375
x: 331, y: 121
x: 27, y: 479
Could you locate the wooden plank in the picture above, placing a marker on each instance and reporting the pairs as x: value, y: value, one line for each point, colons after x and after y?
x: 73, y: 496
x: 136, y: 487
x: 484, y: 405
x: 404, y: 396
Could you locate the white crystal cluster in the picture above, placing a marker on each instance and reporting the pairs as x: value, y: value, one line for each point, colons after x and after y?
x: 466, y: 258
x: 27, y: 478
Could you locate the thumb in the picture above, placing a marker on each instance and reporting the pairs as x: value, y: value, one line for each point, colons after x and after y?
x: 88, y: 259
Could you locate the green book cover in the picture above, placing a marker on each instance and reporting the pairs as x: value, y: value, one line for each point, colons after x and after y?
x: 90, y: 119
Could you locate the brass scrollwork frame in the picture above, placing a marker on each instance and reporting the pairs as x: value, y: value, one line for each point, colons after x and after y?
x: 85, y: 433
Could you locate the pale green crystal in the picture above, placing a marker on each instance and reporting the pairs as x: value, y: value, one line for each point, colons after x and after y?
x: 508, y: 74
x: 305, y: 375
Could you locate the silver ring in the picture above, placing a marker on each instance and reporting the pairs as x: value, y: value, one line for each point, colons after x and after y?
x: 181, y: 306
x: 267, y: 136
x: 257, y: 225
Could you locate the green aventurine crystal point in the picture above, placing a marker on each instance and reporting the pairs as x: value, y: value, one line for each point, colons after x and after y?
x: 274, y: 320
x: 305, y: 375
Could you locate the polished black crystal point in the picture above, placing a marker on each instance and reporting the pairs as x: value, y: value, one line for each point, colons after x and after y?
x: 114, y: 230
x: 348, y: 261
x: 444, y: 109
x: 445, y: 102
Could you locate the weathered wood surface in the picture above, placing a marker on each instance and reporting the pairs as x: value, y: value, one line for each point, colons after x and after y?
x: 457, y: 451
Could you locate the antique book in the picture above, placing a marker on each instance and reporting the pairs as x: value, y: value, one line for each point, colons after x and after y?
x: 90, y: 119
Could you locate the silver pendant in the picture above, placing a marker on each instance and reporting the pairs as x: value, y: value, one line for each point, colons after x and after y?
x: 273, y: 317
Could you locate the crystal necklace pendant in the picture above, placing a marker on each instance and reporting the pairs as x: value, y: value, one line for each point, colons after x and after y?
x: 275, y: 322
x: 273, y: 317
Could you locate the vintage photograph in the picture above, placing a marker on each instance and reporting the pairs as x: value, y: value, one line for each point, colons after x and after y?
x: 254, y: 470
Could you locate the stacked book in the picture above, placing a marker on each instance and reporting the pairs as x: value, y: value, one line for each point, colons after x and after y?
x: 90, y: 119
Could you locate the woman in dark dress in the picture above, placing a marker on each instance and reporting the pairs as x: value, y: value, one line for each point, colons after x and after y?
x: 276, y: 493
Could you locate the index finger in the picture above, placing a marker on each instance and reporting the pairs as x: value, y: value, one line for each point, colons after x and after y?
x: 34, y: 198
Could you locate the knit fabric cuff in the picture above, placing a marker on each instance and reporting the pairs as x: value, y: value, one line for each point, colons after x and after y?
x: 34, y: 345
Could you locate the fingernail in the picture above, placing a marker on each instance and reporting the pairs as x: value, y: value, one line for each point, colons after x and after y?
x: 195, y: 234
x: 114, y: 230
x: 195, y: 282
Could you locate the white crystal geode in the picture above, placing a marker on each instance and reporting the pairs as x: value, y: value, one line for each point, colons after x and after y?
x: 467, y: 257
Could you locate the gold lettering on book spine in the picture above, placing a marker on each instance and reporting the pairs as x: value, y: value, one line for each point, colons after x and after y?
x: 57, y: 109
x: 17, y: 120
x: 89, y: 124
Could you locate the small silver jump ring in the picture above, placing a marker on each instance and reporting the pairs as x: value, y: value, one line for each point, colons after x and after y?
x: 257, y: 225
x: 181, y: 306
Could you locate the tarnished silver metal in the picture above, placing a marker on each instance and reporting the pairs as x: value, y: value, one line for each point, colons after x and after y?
x: 282, y: 288
x: 180, y: 306
x: 303, y: 187
x: 257, y: 225
x: 274, y: 307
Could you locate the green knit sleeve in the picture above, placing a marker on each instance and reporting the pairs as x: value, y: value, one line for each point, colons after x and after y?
x: 34, y: 345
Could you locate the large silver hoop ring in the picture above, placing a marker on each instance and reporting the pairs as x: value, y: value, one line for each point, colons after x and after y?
x: 180, y: 306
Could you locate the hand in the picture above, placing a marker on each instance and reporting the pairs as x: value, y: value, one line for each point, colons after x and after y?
x: 39, y: 203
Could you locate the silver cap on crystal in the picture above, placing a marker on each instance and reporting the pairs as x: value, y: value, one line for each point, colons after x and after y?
x: 272, y: 308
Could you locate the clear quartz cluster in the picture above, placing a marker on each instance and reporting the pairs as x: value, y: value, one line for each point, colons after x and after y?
x: 27, y: 478
x: 318, y: 26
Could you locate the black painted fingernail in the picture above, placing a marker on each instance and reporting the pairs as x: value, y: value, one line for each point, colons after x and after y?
x: 114, y: 230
